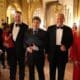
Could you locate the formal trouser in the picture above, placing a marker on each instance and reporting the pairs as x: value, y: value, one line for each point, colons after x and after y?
x: 76, y: 72
x: 12, y: 61
x: 38, y: 62
x: 2, y: 59
x: 61, y: 70
x: 58, y: 62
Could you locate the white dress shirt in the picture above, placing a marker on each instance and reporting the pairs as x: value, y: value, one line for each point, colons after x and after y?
x: 15, y: 32
x: 59, y: 34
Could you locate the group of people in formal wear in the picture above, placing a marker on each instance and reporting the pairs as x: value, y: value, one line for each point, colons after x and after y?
x: 32, y: 44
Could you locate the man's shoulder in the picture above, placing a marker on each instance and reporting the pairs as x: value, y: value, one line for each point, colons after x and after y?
x: 51, y: 27
x: 67, y: 27
x: 41, y: 30
x: 11, y: 24
x: 24, y: 24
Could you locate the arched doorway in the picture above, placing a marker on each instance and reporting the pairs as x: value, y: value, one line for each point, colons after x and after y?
x: 10, y: 12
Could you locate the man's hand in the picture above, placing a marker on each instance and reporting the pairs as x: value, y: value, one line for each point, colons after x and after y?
x: 34, y: 47
x: 63, y: 48
x: 29, y: 49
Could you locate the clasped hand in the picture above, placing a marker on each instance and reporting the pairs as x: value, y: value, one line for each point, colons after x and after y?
x: 32, y: 48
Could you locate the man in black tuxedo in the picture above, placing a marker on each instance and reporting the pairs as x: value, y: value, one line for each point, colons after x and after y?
x: 35, y: 45
x: 2, y: 50
x: 17, y: 54
x: 1, y: 45
x: 59, y: 39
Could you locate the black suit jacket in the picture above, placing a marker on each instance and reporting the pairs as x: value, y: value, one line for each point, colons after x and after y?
x: 19, y: 43
x: 41, y: 36
x: 67, y: 40
x: 36, y: 56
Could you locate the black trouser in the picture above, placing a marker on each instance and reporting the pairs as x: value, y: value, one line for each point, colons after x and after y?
x: 2, y: 59
x: 38, y: 62
x: 61, y: 70
x: 12, y: 61
x: 58, y: 62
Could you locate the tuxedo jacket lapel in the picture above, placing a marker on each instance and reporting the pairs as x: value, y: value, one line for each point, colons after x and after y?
x: 63, y: 34
x: 67, y: 37
x: 12, y: 25
x: 53, y: 35
x: 19, y: 33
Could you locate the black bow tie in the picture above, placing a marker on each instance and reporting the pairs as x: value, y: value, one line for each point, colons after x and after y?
x: 59, y: 27
x: 17, y: 25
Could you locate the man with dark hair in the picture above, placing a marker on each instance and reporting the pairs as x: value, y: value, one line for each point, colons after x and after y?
x: 59, y: 39
x: 35, y: 45
x: 36, y: 18
x: 18, y: 29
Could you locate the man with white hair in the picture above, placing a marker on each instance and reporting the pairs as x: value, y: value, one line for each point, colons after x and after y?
x: 59, y: 39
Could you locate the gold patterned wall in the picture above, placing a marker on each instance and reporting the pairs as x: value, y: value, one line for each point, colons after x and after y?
x: 52, y: 9
x: 29, y: 8
x: 77, y: 11
x: 2, y: 9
